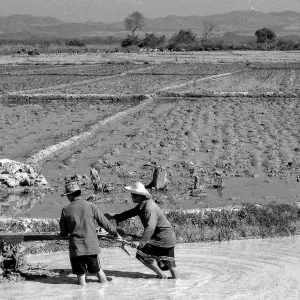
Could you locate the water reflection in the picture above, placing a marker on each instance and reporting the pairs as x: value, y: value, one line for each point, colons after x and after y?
x: 15, y: 205
x: 243, y: 270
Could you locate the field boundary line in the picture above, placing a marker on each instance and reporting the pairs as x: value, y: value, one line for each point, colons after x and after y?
x: 51, y: 67
x: 94, y: 97
x: 170, y: 94
x: 53, y: 150
x: 196, y: 80
x: 78, y: 82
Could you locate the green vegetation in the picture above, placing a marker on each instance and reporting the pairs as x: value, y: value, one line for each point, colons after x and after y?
x: 183, y: 40
x: 207, y: 225
x: 187, y: 40
x: 134, y: 21
x: 204, y: 225
x: 265, y: 35
x: 249, y: 221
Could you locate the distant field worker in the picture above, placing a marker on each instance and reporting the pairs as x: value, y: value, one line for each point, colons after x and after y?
x: 156, y: 246
x: 78, y: 221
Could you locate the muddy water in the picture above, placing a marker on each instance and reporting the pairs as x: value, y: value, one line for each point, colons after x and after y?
x: 238, y: 190
x: 251, y: 269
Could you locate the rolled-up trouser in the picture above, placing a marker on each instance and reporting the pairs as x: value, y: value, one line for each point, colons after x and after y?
x: 164, y: 257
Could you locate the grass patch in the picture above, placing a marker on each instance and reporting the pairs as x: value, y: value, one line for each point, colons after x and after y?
x: 205, y: 225
x: 249, y: 221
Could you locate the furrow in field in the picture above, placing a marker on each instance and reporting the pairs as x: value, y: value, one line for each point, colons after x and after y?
x: 36, y: 126
x: 247, y: 81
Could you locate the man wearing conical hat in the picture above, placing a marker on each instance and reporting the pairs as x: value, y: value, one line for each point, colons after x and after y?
x: 156, y: 246
x: 78, y: 221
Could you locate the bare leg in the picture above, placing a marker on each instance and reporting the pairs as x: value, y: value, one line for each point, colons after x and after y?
x: 101, y: 276
x: 154, y: 267
x: 81, y: 279
x: 174, y: 272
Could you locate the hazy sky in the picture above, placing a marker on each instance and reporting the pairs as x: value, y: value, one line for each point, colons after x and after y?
x: 116, y: 10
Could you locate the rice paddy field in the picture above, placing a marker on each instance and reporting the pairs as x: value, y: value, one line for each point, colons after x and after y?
x: 229, y: 119
x: 251, y: 80
x: 141, y: 81
x: 251, y: 141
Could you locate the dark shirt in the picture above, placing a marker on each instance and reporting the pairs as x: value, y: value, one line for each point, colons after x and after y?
x: 157, y: 229
x: 79, y: 220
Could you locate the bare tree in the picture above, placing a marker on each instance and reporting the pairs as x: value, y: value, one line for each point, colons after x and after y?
x: 208, y: 29
x: 134, y: 21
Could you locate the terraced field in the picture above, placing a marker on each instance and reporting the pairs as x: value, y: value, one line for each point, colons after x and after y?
x: 253, y: 142
x: 251, y: 80
x: 25, y: 129
x: 143, y: 81
x: 128, y: 85
x: 232, y: 130
x: 204, y: 69
x: 27, y: 77
x: 83, y: 70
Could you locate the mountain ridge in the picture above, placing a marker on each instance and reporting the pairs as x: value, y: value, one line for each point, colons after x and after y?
x: 241, y: 22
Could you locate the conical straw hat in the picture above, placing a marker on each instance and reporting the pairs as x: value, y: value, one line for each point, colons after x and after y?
x: 138, y: 188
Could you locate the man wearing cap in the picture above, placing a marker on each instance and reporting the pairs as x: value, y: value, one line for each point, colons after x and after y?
x: 156, y: 246
x: 78, y: 221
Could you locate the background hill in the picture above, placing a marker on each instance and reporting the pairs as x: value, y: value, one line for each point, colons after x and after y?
x: 240, y: 22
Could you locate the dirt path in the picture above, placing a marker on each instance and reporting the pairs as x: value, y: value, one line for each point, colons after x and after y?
x: 244, y: 270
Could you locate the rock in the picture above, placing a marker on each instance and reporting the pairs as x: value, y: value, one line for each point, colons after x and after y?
x: 14, y: 174
x: 218, y: 173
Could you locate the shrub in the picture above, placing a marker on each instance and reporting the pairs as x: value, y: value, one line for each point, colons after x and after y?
x: 132, y: 48
x: 265, y: 35
x: 183, y: 40
x: 152, y: 41
x: 130, y: 41
x: 75, y: 43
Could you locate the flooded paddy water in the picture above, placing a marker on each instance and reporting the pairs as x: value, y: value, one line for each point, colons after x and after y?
x: 249, y: 269
x: 238, y: 190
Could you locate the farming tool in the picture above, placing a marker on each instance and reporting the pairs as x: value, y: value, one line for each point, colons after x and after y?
x: 10, y: 244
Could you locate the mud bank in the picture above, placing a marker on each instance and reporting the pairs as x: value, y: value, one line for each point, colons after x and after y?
x: 257, y: 269
x: 202, y: 225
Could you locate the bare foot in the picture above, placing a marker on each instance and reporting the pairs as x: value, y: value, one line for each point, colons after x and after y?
x: 81, y: 279
x: 101, y: 276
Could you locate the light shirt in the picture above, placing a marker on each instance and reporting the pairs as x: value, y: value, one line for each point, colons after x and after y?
x: 158, y: 230
x: 79, y: 220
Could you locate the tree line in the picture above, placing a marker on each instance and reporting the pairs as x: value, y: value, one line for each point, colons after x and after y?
x: 187, y: 40
x: 183, y: 40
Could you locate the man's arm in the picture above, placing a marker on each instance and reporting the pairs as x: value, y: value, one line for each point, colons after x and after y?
x: 102, y: 221
x: 150, y: 225
x: 127, y: 214
x: 63, y: 225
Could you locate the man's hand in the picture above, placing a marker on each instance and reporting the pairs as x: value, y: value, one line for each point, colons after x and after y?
x: 135, y: 244
x: 119, y: 238
x: 109, y: 216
